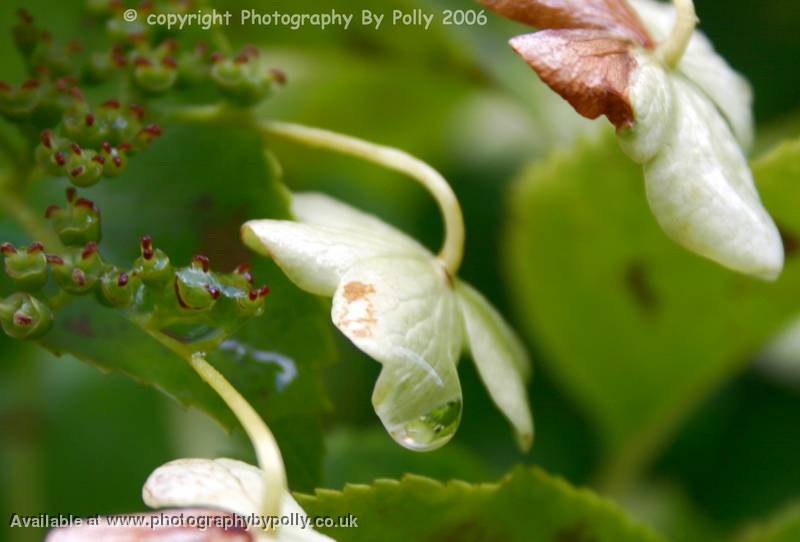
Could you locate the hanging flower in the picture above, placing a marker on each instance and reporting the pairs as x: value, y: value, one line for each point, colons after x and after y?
x: 401, y: 305
x: 679, y: 110
x: 214, y: 500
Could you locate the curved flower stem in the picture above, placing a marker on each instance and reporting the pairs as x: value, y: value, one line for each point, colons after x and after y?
x: 264, y: 443
x: 453, y: 247
x: 671, y: 50
x: 267, y: 451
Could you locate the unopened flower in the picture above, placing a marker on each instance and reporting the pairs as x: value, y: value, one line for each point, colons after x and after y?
x: 399, y: 304
x: 679, y: 110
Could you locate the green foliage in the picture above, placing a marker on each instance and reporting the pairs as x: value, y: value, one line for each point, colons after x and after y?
x: 526, y: 505
x: 638, y: 330
x: 785, y: 527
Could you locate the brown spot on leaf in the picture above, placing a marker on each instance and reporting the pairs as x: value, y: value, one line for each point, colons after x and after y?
x: 613, y: 17
x: 791, y: 240
x: 638, y: 285
x: 587, y: 68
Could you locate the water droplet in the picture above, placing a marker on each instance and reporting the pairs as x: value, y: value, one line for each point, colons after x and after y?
x: 430, y: 431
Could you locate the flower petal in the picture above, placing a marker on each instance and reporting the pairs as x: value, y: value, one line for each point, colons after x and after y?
x: 611, y: 16
x: 403, y: 313
x: 226, y: 484
x: 701, y: 190
x: 319, y: 209
x: 167, y: 526
x: 500, y: 358
x: 729, y: 91
x: 588, y: 68
x: 315, y: 257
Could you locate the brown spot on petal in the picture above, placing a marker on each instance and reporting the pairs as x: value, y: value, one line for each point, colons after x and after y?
x: 586, y: 67
x: 358, y: 315
x: 612, y: 16
x: 357, y: 290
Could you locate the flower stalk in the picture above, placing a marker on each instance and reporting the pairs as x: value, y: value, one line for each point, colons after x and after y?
x: 452, y: 250
x: 671, y: 50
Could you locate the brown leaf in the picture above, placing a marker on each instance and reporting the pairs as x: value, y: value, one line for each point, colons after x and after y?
x: 587, y: 68
x: 613, y: 16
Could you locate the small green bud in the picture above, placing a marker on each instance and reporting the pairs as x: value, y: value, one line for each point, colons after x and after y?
x: 19, y: 103
x: 155, y: 76
x: 84, y: 166
x: 196, y: 288
x: 116, y: 289
x: 78, y: 272
x: 153, y: 267
x: 78, y: 224
x: 244, y: 80
x: 27, y: 267
x: 25, y: 317
x: 115, y: 159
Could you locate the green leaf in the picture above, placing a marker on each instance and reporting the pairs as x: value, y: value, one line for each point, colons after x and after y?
x: 528, y: 504
x: 784, y: 527
x: 637, y: 329
x: 191, y: 192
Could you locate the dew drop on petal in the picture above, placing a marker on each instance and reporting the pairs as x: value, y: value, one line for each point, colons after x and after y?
x: 430, y: 431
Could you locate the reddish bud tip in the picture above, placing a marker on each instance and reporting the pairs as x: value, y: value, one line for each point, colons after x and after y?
x: 170, y: 44
x: 35, y: 248
x: 24, y: 16
x: 99, y: 159
x: 71, y: 193
x: 89, y: 119
x: 30, y: 84
x: 22, y: 319
x: 122, y: 280
x: 152, y: 129
x: 111, y: 104
x: 241, y: 58
x: 89, y: 250
x: 141, y: 61
x: 50, y: 210
x: 78, y: 277
x: 54, y: 260
x: 263, y: 291
x: 105, y: 146
x: 117, y: 161
x: 77, y: 94
x: 147, y: 247
x: 75, y: 148
x: 4, y: 87
x: 201, y: 261
x: 250, y: 50
x: 76, y: 172
x: 216, y: 57
x: 83, y: 202
x: 47, y: 139
x: 137, y: 110
x: 74, y: 46
x: 59, y: 158
x: 213, y: 291
x: 124, y: 147
x: 169, y: 62
x: 8, y: 248
x: 279, y: 76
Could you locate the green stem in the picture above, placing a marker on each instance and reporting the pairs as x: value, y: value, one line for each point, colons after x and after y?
x: 671, y: 50
x: 266, y: 447
x: 452, y: 250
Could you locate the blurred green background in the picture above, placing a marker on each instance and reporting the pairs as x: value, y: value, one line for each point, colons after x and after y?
x: 81, y: 442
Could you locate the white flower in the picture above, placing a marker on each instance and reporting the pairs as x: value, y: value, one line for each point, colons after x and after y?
x: 396, y: 302
x: 208, y: 500
x: 680, y: 111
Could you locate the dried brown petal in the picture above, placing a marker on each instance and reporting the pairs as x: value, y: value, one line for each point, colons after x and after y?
x: 614, y: 16
x: 587, y: 68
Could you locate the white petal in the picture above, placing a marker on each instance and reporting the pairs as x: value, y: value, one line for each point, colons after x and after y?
x: 729, y: 91
x: 225, y: 484
x: 701, y: 190
x: 403, y: 313
x: 322, y: 210
x: 316, y: 257
x: 500, y: 358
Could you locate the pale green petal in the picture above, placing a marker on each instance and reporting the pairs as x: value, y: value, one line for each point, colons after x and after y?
x: 702, y: 193
x: 500, y: 358
x: 403, y: 313
x: 316, y: 257
x: 225, y: 484
x: 728, y: 90
x: 322, y: 210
